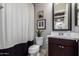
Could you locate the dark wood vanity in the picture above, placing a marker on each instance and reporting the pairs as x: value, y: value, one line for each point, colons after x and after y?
x: 62, y: 47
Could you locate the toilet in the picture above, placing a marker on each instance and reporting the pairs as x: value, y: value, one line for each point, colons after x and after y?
x: 34, y: 50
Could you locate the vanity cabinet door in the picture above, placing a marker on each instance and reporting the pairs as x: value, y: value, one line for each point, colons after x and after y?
x: 69, y: 47
x: 68, y: 51
x: 54, y: 48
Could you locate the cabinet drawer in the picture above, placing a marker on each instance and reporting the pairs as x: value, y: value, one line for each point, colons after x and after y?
x: 64, y: 42
x: 67, y: 42
x: 54, y: 40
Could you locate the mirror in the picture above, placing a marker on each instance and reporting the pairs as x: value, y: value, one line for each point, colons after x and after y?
x: 77, y: 14
x: 61, y: 16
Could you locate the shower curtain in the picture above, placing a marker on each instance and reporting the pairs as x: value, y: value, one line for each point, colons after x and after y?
x: 17, y: 24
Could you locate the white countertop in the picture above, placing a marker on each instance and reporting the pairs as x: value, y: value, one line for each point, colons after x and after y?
x: 64, y: 37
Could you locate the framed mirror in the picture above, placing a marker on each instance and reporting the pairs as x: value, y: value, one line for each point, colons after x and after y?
x: 77, y: 14
x: 62, y: 16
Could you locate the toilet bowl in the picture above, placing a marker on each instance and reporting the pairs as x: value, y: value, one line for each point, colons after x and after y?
x: 34, y: 50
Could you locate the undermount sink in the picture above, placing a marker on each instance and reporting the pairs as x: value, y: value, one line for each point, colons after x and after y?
x: 65, y: 35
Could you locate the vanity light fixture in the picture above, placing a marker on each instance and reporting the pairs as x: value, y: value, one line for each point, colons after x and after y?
x: 1, y: 7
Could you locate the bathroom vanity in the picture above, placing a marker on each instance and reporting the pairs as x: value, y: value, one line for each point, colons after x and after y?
x: 62, y: 45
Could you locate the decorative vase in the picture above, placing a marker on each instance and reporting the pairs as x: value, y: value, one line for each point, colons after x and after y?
x: 39, y: 41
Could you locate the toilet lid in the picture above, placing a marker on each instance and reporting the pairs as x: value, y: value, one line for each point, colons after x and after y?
x: 34, y: 47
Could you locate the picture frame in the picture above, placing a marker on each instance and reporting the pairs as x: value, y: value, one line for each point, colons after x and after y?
x: 41, y: 24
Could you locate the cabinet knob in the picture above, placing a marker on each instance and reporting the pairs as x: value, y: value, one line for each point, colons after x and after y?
x: 62, y: 46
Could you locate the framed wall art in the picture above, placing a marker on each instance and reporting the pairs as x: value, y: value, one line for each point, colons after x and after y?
x: 41, y: 24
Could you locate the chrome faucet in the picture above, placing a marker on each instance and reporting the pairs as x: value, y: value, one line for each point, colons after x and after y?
x: 60, y: 33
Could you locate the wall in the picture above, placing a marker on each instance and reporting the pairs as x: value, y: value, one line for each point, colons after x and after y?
x: 75, y: 28
x: 47, y: 7
x: 47, y: 15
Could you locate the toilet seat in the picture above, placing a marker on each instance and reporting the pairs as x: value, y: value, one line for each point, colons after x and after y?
x: 34, y: 47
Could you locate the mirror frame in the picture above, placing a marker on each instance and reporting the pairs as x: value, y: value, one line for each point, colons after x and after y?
x: 69, y: 19
x: 76, y: 24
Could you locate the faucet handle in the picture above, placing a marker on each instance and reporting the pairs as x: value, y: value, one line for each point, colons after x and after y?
x: 60, y: 33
